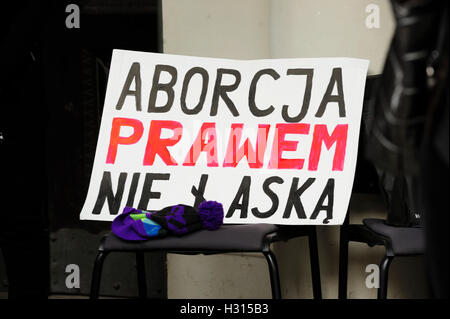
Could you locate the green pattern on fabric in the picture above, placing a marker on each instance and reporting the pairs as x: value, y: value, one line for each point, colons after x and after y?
x: 138, y: 216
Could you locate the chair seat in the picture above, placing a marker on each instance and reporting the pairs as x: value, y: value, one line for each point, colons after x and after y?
x: 404, y: 240
x: 243, y: 238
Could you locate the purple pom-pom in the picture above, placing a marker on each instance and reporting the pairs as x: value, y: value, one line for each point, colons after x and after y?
x: 211, y: 214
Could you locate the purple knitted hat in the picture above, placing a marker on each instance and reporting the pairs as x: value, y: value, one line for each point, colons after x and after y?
x: 182, y: 219
x: 135, y: 224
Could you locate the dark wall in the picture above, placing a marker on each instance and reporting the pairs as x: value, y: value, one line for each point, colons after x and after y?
x: 58, y: 84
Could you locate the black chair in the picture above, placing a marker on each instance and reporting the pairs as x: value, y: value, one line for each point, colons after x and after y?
x: 398, y: 241
x: 254, y: 238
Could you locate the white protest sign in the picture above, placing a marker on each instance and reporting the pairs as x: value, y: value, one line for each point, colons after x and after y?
x: 274, y: 141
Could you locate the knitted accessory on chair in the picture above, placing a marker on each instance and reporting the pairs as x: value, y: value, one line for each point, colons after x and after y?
x: 182, y: 219
x: 135, y: 224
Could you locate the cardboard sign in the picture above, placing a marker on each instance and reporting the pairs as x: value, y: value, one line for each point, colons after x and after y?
x: 275, y: 141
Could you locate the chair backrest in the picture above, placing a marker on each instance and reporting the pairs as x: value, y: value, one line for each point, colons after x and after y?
x: 366, y: 178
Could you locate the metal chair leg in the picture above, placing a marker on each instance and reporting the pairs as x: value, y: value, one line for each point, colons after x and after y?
x: 384, y: 271
x: 97, y: 274
x: 274, y: 275
x: 343, y: 264
x: 140, y: 268
x: 314, y: 259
